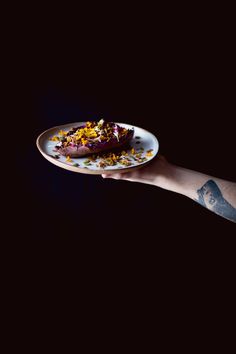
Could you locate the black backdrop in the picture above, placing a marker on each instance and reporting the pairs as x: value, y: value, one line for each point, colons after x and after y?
x: 152, y: 249
x: 174, y: 81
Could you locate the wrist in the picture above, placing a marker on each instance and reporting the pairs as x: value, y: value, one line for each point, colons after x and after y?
x: 167, y: 178
x: 181, y: 180
x: 174, y: 179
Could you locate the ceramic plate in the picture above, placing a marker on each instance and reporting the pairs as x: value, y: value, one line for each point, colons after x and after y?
x: 144, y: 143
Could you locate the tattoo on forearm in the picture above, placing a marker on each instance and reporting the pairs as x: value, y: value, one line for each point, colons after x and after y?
x: 211, y: 197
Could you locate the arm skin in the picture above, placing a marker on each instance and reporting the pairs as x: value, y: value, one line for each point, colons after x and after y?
x: 213, y: 193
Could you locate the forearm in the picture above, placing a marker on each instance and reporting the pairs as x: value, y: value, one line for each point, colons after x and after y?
x: 215, y: 194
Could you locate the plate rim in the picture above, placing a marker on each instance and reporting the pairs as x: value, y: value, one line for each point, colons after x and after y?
x: 87, y: 170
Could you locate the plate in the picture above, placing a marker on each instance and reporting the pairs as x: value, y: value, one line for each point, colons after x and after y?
x: 143, y: 143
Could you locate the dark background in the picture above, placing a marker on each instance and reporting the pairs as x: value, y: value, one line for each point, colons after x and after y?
x: 113, y: 243
x: 171, y: 77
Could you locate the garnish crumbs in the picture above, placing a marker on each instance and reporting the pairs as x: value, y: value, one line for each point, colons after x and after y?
x: 123, y: 158
x: 76, y: 165
x: 87, y: 162
x: 91, y: 132
x: 149, y: 153
x: 62, y: 133
x: 54, y: 138
x: 137, y: 137
x: 68, y: 159
x: 126, y: 162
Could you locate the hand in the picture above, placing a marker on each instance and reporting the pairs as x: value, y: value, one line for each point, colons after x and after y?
x: 155, y: 173
x: 214, y: 193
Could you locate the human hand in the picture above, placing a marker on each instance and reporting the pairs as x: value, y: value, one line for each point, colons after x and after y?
x: 155, y: 173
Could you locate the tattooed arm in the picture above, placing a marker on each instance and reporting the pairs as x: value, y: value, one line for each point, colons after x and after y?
x: 213, y: 193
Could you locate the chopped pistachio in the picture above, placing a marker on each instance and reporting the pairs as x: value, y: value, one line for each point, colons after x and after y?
x: 87, y: 163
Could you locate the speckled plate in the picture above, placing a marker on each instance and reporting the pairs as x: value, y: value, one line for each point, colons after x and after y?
x: 143, y: 141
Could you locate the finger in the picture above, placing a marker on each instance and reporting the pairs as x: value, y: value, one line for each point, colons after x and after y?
x: 113, y: 175
x: 116, y: 176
